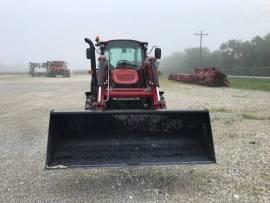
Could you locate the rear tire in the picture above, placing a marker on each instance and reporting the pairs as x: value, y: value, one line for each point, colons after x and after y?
x: 52, y: 75
x: 66, y: 74
x: 89, y: 103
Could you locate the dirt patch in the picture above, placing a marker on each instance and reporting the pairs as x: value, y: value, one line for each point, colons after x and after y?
x: 242, y: 144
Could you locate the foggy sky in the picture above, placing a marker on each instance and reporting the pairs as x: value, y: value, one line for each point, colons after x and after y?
x: 40, y: 30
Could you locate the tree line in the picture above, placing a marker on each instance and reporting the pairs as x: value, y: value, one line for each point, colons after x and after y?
x: 233, y: 53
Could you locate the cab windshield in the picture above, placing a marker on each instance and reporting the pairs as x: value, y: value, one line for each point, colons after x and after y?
x: 124, y: 53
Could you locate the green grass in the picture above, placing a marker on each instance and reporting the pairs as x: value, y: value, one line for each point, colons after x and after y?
x: 253, y: 117
x: 222, y: 110
x: 250, y: 83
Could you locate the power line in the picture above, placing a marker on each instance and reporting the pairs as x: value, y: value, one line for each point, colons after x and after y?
x: 257, y: 8
x: 201, y: 34
x: 241, y: 14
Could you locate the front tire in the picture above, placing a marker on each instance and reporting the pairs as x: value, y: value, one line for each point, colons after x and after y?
x: 89, y: 103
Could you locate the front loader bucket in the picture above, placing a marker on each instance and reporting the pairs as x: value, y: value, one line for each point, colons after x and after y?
x: 123, y: 138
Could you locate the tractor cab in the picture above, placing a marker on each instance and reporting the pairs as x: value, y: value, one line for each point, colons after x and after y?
x: 124, y: 54
x: 124, y: 62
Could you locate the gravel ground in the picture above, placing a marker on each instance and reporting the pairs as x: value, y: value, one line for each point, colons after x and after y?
x: 241, y: 129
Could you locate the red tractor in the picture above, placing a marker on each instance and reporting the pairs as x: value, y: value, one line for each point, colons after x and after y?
x: 125, y: 121
x: 126, y: 77
x: 58, y: 68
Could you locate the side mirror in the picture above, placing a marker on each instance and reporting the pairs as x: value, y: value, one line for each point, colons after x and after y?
x: 157, y: 53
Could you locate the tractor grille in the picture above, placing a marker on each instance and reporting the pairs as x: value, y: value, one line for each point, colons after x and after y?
x: 125, y: 76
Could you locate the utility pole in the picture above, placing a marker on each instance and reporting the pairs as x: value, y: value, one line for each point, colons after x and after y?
x: 201, y: 34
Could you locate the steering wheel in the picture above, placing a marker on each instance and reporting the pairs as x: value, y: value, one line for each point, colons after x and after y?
x: 123, y: 62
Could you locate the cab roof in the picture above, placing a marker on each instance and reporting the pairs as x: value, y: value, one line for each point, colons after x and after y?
x: 127, y: 40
